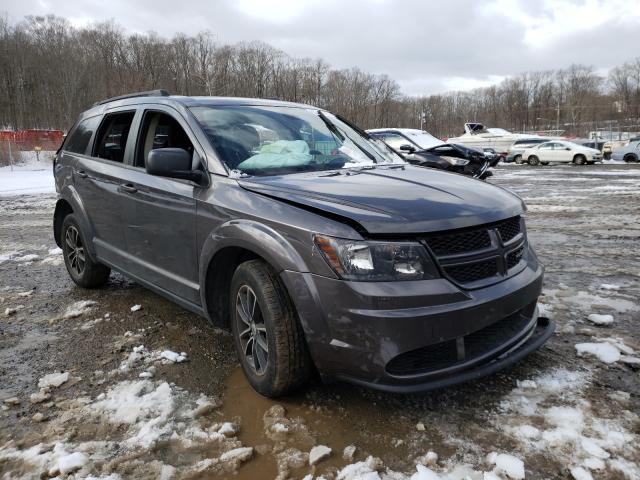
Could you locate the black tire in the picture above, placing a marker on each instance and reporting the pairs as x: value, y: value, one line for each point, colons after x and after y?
x: 579, y: 160
x: 285, y: 365
x: 630, y: 158
x: 83, y: 271
x: 533, y: 160
x: 518, y: 159
x: 544, y: 163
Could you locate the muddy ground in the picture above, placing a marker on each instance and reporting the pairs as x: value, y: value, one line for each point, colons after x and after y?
x: 584, y: 223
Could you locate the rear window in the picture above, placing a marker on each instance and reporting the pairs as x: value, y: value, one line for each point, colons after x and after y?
x: 78, y: 140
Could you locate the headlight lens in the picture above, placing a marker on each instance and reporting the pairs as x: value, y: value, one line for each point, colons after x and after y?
x: 376, y: 261
x: 458, y: 162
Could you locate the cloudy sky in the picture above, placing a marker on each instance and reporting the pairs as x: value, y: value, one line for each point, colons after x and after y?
x: 428, y: 46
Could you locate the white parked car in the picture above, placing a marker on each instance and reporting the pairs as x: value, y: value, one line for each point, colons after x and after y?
x: 561, y: 151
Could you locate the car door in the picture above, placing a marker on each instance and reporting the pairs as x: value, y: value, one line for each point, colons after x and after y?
x: 160, y: 212
x: 545, y: 152
x: 562, y: 153
x: 97, y: 178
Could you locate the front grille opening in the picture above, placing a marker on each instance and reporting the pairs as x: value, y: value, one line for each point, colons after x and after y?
x: 444, y: 354
x: 474, y: 244
x: 509, y: 228
x: 459, y: 242
x: 471, y: 272
x: 513, y: 258
x: 433, y: 357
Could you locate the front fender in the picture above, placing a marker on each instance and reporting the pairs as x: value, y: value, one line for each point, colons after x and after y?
x: 255, y: 237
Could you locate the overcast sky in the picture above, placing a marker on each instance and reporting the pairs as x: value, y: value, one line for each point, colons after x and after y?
x: 428, y: 46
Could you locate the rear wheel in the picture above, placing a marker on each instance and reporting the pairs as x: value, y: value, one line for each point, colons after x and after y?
x: 268, y: 337
x: 533, y: 160
x: 630, y: 158
x: 83, y: 271
x: 579, y: 160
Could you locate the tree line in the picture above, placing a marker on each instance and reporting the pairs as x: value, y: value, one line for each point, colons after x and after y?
x: 51, y: 71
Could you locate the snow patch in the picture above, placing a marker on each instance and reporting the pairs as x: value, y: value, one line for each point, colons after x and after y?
x: 600, y: 319
x: 605, y: 352
x: 53, y: 380
x: 77, y: 309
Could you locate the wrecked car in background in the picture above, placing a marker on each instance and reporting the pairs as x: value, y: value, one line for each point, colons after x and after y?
x: 422, y: 149
x: 314, y: 245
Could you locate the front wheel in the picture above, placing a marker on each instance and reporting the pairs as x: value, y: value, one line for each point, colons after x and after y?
x: 533, y: 160
x: 518, y: 159
x: 268, y: 337
x: 579, y: 160
x: 83, y: 271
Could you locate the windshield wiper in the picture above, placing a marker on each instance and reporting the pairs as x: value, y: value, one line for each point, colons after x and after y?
x: 332, y: 128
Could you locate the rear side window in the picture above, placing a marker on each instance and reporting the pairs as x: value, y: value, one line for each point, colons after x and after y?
x: 78, y: 140
x: 112, y: 136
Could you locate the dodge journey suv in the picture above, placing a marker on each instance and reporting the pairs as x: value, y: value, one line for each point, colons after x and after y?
x: 317, y: 246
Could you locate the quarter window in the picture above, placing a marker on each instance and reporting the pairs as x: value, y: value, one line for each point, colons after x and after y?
x: 79, y: 138
x: 113, y: 135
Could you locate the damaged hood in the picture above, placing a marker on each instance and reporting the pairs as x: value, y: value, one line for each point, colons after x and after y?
x: 393, y: 200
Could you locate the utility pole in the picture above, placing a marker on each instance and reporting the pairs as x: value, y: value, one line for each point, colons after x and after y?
x: 10, y: 157
x: 558, y: 118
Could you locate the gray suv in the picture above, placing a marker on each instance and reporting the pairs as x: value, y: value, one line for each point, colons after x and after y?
x: 320, y: 249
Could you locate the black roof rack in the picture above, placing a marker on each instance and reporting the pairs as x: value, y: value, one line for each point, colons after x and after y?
x: 149, y: 93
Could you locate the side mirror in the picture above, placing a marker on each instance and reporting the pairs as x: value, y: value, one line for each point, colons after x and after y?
x: 567, y: 148
x: 173, y: 163
x: 407, y: 148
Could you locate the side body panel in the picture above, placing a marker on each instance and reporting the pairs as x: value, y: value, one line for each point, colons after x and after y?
x: 159, y: 223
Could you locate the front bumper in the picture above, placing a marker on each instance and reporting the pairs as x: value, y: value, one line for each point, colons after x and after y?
x: 416, y: 336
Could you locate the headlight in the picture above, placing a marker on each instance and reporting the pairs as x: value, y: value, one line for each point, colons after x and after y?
x: 458, y: 162
x: 376, y: 261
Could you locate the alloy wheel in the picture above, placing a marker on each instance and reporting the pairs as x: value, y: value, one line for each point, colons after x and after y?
x: 252, y: 331
x: 75, y: 250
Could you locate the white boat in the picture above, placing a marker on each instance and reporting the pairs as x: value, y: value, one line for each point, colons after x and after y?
x: 478, y: 136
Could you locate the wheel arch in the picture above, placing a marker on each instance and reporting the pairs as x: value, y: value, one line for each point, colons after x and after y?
x: 63, y: 208
x: 230, y: 245
x: 69, y: 202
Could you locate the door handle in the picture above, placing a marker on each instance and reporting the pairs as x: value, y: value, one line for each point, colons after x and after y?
x: 127, y: 187
x: 82, y: 174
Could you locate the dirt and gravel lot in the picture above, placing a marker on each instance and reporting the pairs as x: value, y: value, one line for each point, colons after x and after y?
x: 157, y: 393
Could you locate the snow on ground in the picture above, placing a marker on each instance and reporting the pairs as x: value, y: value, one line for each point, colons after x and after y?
x: 134, y: 417
x: 551, y: 415
x: 28, y: 176
x: 78, y: 309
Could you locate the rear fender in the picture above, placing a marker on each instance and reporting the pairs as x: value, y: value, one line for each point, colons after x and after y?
x: 71, y: 196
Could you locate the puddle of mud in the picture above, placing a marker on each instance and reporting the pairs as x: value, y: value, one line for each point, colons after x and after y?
x: 335, y: 420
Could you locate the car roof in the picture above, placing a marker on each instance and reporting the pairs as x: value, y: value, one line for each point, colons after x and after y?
x: 156, y: 97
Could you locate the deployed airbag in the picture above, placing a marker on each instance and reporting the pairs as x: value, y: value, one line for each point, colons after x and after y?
x: 279, y: 154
